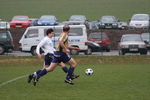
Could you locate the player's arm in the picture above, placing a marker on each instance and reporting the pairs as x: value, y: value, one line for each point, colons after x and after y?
x: 73, y: 48
x: 42, y: 43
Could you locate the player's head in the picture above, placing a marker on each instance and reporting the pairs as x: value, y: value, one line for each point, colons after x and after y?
x: 66, y: 28
x: 49, y: 32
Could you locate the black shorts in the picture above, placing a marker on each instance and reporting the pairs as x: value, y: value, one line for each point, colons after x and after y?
x: 48, y: 59
x: 61, y: 57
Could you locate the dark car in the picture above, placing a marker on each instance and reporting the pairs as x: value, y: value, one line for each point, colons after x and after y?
x: 78, y: 19
x: 108, y: 22
x: 102, y: 39
x: 47, y: 20
x: 6, y: 42
x: 146, y: 39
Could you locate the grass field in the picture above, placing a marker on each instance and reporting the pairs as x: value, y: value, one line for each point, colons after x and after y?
x: 93, y: 9
x: 114, y: 78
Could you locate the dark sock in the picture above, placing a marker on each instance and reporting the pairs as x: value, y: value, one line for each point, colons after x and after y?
x: 38, y: 71
x: 70, y: 72
x: 65, y: 69
x: 42, y: 73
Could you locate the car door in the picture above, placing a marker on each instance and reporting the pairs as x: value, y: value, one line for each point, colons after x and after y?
x: 31, y: 38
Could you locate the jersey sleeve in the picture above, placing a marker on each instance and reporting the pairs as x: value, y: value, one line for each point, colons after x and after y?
x: 42, y: 43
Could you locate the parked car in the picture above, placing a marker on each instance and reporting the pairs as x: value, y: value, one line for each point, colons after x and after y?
x: 6, y: 42
x: 108, y: 22
x: 78, y: 20
x: 123, y: 25
x: 93, y: 25
x: 20, y: 22
x: 132, y: 43
x: 146, y: 39
x: 102, y: 39
x: 47, y: 20
x: 33, y: 21
x: 4, y: 25
x: 140, y: 21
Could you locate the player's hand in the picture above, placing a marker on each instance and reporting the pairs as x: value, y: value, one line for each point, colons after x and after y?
x: 66, y: 50
x: 76, y: 48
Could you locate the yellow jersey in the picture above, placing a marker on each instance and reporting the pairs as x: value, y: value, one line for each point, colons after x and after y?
x: 64, y: 38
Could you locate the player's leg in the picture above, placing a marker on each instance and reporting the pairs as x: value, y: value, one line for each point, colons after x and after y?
x: 72, y: 64
x: 63, y: 66
x: 47, y: 62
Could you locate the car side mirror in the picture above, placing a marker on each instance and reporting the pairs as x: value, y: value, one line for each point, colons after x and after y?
x: 146, y: 42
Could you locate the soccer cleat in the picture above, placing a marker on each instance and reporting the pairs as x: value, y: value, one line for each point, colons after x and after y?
x: 69, y: 81
x: 35, y: 79
x: 74, y: 76
x: 30, y: 77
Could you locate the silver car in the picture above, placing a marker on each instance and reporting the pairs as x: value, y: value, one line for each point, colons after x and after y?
x: 132, y: 43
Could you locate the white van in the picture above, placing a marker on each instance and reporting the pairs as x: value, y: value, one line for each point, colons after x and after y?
x: 33, y: 35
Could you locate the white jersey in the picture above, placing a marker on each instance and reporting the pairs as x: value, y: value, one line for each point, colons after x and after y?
x: 47, y: 46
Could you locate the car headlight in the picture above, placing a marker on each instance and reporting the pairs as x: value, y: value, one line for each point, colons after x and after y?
x: 114, y: 24
x: 123, y: 46
x: 142, y: 46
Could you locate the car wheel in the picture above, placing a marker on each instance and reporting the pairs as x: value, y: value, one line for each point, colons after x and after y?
x: 2, y: 50
x: 107, y: 49
x: 88, y: 51
x: 121, y: 52
x: 143, y: 53
x: 74, y: 52
x: 33, y: 51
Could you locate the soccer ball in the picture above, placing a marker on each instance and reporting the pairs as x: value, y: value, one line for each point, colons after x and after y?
x: 89, y: 71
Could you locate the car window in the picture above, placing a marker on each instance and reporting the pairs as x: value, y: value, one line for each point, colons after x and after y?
x: 21, y: 18
x: 140, y: 17
x: 73, y: 32
x: 47, y: 18
x: 131, y: 38
x: 98, y: 36
x: 3, y: 35
x: 32, y: 33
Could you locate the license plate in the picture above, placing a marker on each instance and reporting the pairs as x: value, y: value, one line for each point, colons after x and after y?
x: 18, y: 25
x: 133, y: 49
x: 108, y: 27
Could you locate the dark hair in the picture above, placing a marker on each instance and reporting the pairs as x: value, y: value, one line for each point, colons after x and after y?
x: 49, y: 31
x: 66, y: 28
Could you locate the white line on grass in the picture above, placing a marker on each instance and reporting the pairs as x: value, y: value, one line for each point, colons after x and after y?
x: 12, y: 80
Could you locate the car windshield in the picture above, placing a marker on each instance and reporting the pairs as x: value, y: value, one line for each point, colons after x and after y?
x: 47, y: 18
x: 3, y: 24
x: 73, y: 32
x: 3, y: 35
x: 77, y: 18
x: 140, y: 18
x: 146, y: 36
x: 131, y: 38
x: 108, y: 19
x: 98, y: 36
x: 20, y: 18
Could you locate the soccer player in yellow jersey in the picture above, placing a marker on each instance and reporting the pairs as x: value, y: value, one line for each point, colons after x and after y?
x: 61, y: 55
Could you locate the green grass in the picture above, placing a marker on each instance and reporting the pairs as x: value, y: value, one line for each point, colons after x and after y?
x: 120, y: 80
x: 93, y: 9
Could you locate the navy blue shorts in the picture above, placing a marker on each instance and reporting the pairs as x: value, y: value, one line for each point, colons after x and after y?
x: 48, y: 59
x: 61, y: 57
